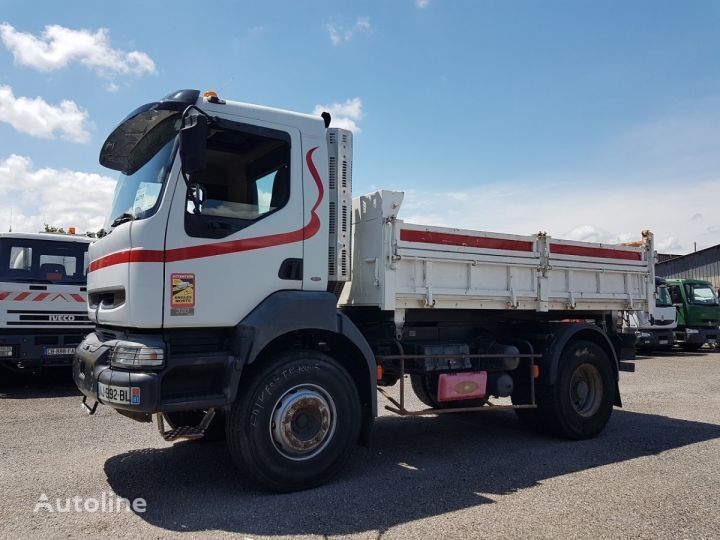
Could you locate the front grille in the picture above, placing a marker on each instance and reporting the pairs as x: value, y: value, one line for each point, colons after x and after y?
x: 48, y: 318
x: 195, y: 344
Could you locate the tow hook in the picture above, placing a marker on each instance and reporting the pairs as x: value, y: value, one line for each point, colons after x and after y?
x: 85, y: 407
x: 185, y: 432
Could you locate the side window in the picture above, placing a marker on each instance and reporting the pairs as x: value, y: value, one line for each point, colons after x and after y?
x: 246, y: 179
x: 675, y: 294
x: 68, y: 263
x: 20, y: 258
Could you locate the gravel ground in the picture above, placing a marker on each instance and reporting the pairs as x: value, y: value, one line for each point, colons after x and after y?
x: 653, y: 473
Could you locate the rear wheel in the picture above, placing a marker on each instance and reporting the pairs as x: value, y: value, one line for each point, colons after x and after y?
x: 579, y: 404
x: 295, y: 422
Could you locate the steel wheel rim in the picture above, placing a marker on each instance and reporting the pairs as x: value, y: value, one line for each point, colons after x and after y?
x: 586, y: 390
x: 303, y: 422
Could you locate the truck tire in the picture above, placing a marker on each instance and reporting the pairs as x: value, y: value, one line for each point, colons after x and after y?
x: 691, y: 347
x: 579, y: 404
x: 295, y: 422
x: 215, y: 431
x: 425, y: 388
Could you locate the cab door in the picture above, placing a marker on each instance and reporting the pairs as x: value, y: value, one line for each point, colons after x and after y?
x: 244, y: 239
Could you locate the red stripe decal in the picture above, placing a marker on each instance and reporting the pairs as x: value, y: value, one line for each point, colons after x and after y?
x: 78, y: 298
x: 602, y: 253
x: 4, y: 295
x: 21, y: 296
x: 222, y: 248
x: 127, y: 256
x: 447, y: 239
x: 40, y: 297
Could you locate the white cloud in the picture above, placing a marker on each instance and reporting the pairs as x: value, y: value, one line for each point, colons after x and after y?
x: 589, y: 211
x: 662, y: 175
x: 422, y: 3
x: 57, y: 47
x: 340, y: 34
x: 344, y: 115
x: 36, y: 117
x: 59, y: 197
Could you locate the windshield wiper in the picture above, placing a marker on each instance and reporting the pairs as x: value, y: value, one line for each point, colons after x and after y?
x: 122, y: 218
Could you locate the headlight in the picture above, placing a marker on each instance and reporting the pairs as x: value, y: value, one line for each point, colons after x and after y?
x: 136, y: 355
x: 6, y: 350
x: 691, y: 331
x: 643, y: 334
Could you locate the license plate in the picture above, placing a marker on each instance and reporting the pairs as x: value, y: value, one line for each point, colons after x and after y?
x: 123, y: 395
x: 663, y: 342
x: 59, y: 351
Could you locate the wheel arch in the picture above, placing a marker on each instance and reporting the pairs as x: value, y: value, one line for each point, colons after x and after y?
x: 309, y: 320
x: 567, y: 334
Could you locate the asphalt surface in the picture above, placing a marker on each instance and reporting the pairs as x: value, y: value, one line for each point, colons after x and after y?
x: 653, y: 473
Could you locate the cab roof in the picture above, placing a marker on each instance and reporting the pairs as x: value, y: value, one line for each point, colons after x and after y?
x: 53, y: 237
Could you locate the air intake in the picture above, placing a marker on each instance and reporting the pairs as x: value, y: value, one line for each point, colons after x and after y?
x: 340, y: 200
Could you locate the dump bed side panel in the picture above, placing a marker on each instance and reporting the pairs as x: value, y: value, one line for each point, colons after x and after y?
x: 402, y: 265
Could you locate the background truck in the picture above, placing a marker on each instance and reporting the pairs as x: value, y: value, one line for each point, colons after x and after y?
x: 240, y: 289
x: 655, y: 330
x: 698, y: 313
x: 43, y: 311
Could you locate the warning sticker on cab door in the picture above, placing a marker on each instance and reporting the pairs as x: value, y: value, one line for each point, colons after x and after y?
x: 182, y: 291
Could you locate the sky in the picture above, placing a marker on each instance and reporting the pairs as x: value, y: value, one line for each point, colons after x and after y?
x: 586, y: 120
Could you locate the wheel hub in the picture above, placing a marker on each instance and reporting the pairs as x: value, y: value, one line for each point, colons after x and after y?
x: 303, y: 422
x: 586, y: 390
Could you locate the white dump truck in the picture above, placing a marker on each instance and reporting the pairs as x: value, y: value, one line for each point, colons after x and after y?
x: 655, y: 330
x: 240, y: 290
x: 43, y: 311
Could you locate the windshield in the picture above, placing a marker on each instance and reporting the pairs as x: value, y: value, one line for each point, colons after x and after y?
x: 663, y: 297
x: 137, y: 194
x: 43, y: 261
x: 701, y: 294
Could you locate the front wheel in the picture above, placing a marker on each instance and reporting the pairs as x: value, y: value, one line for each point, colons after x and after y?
x: 295, y: 422
x: 579, y: 404
x: 691, y: 347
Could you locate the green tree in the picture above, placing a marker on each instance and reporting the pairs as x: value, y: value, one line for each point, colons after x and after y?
x: 50, y: 229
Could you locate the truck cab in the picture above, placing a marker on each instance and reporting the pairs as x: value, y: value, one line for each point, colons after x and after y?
x: 655, y: 329
x: 698, y: 312
x: 43, y: 316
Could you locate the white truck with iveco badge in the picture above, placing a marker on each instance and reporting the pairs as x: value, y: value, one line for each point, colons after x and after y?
x: 655, y: 330
x: 43, y: 312
x: 241, y: 291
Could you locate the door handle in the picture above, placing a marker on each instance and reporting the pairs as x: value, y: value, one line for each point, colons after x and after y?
x: 291, y: 269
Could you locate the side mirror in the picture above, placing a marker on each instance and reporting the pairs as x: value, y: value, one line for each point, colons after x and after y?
x: 200, y: 193
x: 193, y: 144
x: 196, y: 196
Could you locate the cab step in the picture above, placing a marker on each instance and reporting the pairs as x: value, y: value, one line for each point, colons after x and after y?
x: 185, y: 432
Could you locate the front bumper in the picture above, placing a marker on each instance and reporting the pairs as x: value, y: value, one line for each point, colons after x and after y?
x: 34, y: 350
x: 186, y: 382
x: 701, y: 336
x: 650, y: 339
